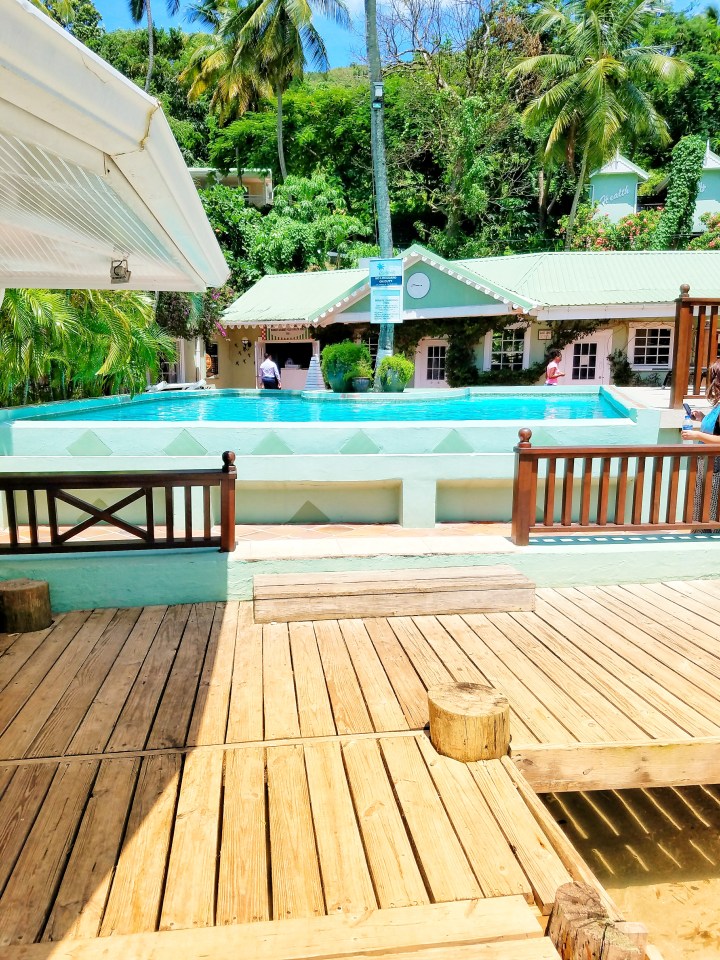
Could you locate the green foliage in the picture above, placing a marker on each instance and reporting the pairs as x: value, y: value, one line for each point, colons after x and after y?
x: 59, y: 345
x: 396, y: 369
x: 338, y: 362
x: 685, y: 171
x: 363, y: 368
x: 593, y: 232
x: 710, y: 239
x: 621, y: 371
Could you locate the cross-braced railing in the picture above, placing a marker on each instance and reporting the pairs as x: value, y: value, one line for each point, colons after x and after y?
x: 169, y: 509
x: 643, y: 489
x: 695, y: 347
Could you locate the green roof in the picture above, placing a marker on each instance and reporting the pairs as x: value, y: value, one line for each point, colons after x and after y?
x: 579, y: 278
x: 293, y: 297
x: 526, y: 281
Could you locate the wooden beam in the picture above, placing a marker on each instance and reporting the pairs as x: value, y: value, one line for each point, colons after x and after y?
x: 619, y: 766
x: 682, y: 347
x: 343, y: 935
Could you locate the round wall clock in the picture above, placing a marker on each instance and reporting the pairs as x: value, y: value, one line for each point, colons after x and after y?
x: 418, y: 285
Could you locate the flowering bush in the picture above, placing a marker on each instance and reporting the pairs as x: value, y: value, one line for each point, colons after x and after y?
x: 710, y: 239
x: 592, y: 232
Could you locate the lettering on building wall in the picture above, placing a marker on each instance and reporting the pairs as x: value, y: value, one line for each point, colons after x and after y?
x: 608, y: 198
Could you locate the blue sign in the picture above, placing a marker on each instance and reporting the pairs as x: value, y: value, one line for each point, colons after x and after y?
x: 386, y: 290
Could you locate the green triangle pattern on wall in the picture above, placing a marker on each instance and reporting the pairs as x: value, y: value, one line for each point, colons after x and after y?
x: 453, y: 443
x: 309, y: 513
x: 185, y: 445
x: 89, y: 444
x: 360, y: 442
x: 271, y: 444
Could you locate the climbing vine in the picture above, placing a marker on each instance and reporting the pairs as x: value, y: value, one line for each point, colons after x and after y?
x: 685, y: 171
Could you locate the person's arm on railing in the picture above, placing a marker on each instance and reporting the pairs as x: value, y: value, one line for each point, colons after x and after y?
x: 710, y: 438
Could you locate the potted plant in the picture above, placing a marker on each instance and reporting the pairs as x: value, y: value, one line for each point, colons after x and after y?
x: 362, y: 376
x: 338, y: 362
x: 395, y: 373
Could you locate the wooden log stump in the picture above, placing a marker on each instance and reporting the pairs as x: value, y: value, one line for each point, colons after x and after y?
x: 469, y: 721
x: 24, y: 605
x: 581, y: 929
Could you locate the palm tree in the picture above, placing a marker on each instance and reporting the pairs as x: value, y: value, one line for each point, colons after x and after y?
x: 260, y: 46
x: 142, y: 9
x: 594, y: 92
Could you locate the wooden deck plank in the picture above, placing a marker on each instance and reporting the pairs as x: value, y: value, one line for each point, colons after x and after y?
x: 212, y: 703
x: 245, y: 716
x: 280, y: 705
x: 48, y: 665
x: 243, y: 893
x: 562, y: 637
x: 459, y: 664
x: 488, y: 853
x: 135, y: 895
x: 19, y: 806
x: 296, y: 886
x: 29, y: 892
x: 406, y: 683
x: 534, y: 851
x: 673, y: 610
x: 314, y: 709
x: 662, y: 685
x: 587, y: 711
x: 96, y: 726
x: 351, y: 714
x: 343, y: 868
x: 189, y: 897
x: 382, y: 704
x: 18, y: 648
x: 530, y: 719
x: 273, y: 584
x: 54, y: 735
x: 79, y: 905
x: 6, y: 775
x: 395, y: 873
x: 500, y: 920
x: 133, y: 725
x: 647, y: 644
x: 686, y: 639
x: 428, y: 665
x: 172, y: 721
x: 441, y: 859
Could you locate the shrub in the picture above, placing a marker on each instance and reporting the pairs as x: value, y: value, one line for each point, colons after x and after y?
x: 400, y: 366
x: 339, y: 360
x: 622, y: 373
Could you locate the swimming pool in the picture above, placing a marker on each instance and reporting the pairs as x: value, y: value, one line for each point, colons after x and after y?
x: 233, y: 406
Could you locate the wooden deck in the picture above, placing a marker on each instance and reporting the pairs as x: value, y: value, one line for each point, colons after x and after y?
x: 185, y: 769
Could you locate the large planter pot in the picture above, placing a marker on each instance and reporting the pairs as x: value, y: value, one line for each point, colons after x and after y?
x: 361, y: 384
x: 392, y: 382
x: 337, y: 381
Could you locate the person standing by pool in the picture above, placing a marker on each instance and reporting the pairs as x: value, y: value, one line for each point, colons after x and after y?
x: 553, y: 372
x: 269, y: 374
x: 708, y: 433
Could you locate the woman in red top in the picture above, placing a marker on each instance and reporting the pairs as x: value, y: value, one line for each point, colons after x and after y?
x: 553, y: 372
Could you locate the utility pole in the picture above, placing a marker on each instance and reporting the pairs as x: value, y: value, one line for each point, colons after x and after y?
x: 377, y: 143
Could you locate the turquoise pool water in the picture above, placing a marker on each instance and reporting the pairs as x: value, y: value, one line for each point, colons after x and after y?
x: 227, y: 406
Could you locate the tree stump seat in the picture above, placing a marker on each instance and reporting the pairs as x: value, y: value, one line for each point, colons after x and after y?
x: 24, y: 605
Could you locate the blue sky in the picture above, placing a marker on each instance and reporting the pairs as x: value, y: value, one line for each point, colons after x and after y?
x: 341, y: 44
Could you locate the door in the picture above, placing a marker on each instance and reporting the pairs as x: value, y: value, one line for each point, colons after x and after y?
x: 586, y: 360
x: 430, y: 364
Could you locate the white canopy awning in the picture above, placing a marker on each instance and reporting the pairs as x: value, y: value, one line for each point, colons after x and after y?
x: 90, y: 172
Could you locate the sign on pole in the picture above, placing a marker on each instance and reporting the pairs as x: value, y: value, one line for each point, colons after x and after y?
x: 386, y: 289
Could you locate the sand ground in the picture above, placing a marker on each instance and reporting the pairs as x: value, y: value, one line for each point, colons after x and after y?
x: 657, y: 852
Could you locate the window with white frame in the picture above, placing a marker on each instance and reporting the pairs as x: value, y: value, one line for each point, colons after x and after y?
x: 650, y: 345
x: 436, y: 362
x: 507, y: 349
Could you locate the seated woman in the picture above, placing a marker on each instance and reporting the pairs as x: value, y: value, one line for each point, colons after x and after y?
x: 709, y: 433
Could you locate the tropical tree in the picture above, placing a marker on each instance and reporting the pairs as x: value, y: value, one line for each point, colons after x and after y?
x: 595, y: 84
x: 77, y: 343
x: 259, y: 48
x: 142, y: 10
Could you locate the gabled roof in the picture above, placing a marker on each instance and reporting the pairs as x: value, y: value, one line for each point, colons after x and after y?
x: 90, y: 172
x: 294, y: 298
x: 579, y: 278
x: 712, y: 160
x: 620, y: 164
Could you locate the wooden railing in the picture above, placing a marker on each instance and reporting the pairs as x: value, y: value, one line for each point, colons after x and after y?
x: 32, y: 495
x: 695, y: 347
x: 643, y: 489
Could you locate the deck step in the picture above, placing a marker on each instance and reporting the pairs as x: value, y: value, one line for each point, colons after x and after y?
x: 284, y: 598
x: 503, y: 928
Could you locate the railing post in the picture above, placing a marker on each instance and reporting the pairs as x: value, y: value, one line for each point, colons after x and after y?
x: 682, y: 347
x: 227, y: 503
x: 524, y: 491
